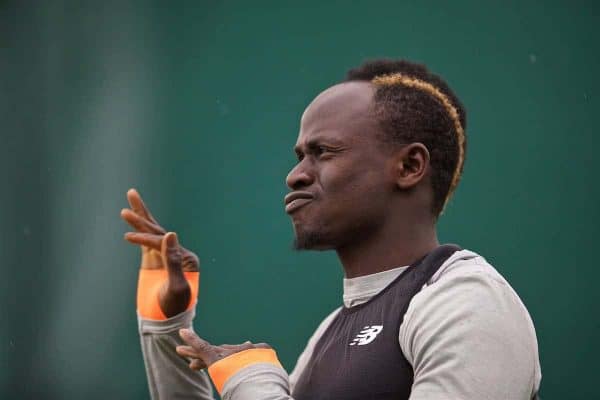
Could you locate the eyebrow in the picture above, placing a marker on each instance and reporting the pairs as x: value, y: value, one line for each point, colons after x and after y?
x: 314, y: 142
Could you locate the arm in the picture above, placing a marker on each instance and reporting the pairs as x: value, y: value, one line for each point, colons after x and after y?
x: 167, y: 292
x: 468, y: 336
x: 247, y: 371
x: 166, y: 298
x: 241, y: 372
x: 168, y: 374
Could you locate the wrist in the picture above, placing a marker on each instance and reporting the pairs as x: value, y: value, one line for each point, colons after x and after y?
x: 221, y: 371
x: 150, y: 284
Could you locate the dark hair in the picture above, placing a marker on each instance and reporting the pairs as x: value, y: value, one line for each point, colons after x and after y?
x: 414, y: 105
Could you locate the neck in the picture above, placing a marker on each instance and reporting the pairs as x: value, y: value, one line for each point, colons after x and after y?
x: 401, y: 241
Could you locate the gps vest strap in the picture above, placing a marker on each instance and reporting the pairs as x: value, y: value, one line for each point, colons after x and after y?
x: 358, y: 356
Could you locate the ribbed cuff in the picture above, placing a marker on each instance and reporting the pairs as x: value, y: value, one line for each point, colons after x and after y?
x: 224, y: 369
x: 150, y: 282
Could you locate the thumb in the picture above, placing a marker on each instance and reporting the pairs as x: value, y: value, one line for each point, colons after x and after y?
x: 170, y: 252
x: 174, y: 295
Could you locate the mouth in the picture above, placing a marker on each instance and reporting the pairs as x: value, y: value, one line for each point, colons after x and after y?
x: 296, y: 200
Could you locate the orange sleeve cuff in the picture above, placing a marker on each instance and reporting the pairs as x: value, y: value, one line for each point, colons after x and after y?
x: 149, y: 284
x: 224, y: 369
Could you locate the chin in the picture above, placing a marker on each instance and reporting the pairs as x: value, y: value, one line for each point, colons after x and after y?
x: 311, y: 241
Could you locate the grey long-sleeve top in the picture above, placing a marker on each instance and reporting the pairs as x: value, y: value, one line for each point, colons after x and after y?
x: 490, y: 352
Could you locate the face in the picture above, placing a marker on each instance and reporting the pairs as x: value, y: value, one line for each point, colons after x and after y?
x: 340, y: 190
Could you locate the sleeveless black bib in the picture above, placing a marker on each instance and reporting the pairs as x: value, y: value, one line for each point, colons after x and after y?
x: 358, y: 356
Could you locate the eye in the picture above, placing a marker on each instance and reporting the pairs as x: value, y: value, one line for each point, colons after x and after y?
x: 299, y: 156
x: 320, y: 150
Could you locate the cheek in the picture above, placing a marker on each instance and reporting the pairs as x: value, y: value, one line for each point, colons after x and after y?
x: 343, y: 175
x: 354, y: 187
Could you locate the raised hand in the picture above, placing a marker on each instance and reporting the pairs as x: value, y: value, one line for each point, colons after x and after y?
x: 161, y: 251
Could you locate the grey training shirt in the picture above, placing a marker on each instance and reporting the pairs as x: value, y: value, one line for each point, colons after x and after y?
x: 466, y: 334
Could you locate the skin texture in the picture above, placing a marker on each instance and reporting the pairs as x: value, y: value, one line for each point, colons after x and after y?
x: 349, y: 192
x: 370, y: 200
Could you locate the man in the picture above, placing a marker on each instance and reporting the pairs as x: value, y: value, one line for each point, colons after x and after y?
x: 379, y: 156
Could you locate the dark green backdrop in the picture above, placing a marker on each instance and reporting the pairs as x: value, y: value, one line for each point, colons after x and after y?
x: 198, y: 106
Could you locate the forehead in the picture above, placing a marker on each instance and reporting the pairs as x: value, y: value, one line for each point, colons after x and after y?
x: 342, y: 112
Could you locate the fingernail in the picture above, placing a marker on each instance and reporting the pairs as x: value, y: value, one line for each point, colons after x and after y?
x: 172, y: 239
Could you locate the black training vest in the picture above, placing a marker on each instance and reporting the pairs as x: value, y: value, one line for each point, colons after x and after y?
x: 358, y: 356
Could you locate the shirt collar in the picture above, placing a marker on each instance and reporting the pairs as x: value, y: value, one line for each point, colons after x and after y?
x: 359, y: 290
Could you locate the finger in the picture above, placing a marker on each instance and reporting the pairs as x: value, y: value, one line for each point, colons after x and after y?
x: 206, y: 351
x: 197, y: 364
x: 190, y: 261
x: 201, y: 346
x: 187, y: 351
x: 134, y: 199
x: 244, y: 346
x: 234, y: 346
x: 171, y: 255
x: 140, y: 223
x: 137, y: 204
x: 145, y: 239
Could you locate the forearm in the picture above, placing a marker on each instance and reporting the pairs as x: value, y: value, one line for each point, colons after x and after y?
x: 258, y: 382
x: 265, y: 379
x: 251, y: 375
x: 169, y: 376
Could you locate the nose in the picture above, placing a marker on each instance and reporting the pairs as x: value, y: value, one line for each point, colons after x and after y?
x: 299, y: 177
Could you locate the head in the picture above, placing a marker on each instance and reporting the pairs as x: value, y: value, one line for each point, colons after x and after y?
x: 384, y: 146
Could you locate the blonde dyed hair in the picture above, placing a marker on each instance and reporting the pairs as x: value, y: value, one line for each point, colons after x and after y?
x: 396, y: 79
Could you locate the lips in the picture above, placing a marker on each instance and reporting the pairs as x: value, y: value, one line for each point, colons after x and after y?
x: 295, y: 200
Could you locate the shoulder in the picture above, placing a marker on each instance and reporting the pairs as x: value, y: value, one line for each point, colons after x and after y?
x: 463, y: 263
x: 466, y: 282
x: 466, y: 286
x: 469, y: 313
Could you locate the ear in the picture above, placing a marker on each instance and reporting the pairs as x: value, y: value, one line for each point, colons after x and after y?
x: 411, y: 164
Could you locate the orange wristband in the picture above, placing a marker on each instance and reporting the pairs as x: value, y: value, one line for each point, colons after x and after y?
x: 224, y: 369
x: 149, y: 284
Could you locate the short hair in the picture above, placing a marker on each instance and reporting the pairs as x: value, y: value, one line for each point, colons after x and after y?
x: 415, y: 105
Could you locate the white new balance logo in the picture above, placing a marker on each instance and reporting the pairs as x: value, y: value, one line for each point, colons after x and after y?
x: 367, y: 335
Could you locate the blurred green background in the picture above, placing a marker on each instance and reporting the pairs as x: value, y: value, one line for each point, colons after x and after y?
x: 197, y: 105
